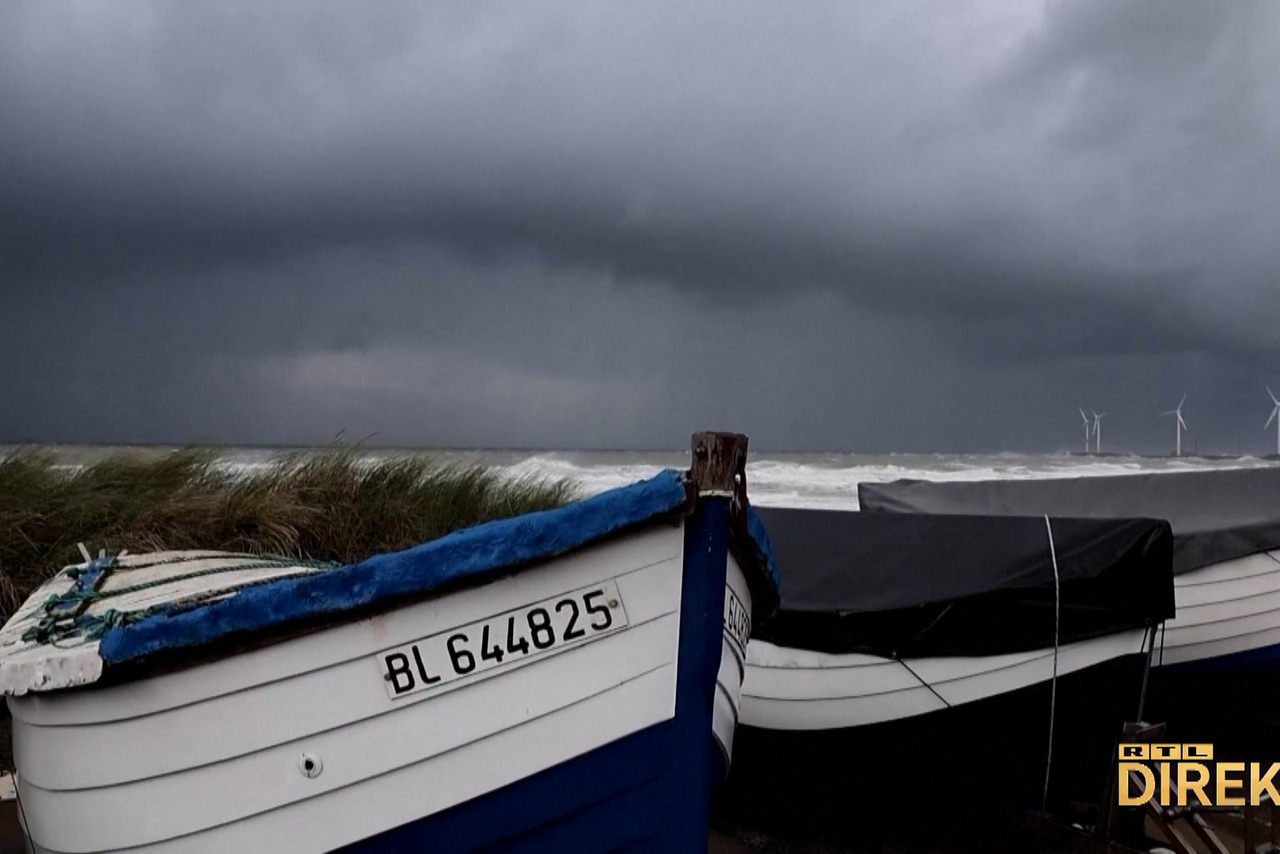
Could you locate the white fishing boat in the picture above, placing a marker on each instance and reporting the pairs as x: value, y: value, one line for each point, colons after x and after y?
x: 1226, y: 558
x: 1226, y: 564
x: 565, y: 680
x: 1215, y: 664
x: 968, y: 652
x: 890, y: 617
x: 799, y: 689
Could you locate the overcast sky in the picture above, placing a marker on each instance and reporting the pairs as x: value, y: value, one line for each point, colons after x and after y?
x: 834, y: 226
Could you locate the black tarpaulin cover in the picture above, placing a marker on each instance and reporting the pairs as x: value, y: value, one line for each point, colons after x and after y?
x: 912, y: 585
x: 1215, y: 515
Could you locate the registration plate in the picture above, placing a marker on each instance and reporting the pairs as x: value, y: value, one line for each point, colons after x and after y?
x: 737, y: 620
x: 503, y: 640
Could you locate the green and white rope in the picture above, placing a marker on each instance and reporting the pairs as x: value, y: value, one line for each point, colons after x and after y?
x: 51, y: 629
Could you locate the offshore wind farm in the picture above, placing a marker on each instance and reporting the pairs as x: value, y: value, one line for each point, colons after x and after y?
x: 1093, y: 432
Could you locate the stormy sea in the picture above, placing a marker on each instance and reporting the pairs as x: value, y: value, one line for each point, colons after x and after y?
x: 816, y: 480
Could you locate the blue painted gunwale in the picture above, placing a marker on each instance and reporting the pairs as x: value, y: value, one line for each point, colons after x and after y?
x: 1261, y: 661
x: 649, y: 791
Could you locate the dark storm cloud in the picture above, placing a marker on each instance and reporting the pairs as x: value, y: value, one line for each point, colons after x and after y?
x: 564, y: 223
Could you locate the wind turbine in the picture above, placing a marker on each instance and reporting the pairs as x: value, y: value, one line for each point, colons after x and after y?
x: 1275, y: 412
x: 1086, y: 430
x: 1097, y: 432
x: 1180, y: 425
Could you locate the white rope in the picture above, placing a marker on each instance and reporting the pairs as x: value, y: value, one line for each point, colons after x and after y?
x: 1053, y: 693
x: 1146, y: 668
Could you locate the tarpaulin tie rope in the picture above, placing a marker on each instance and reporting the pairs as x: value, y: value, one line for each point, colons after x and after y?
x: 1146, y: 669
x: 1053, y: 691
x: 53, y: 629
x: 269, y: 563
x: 921, y: 681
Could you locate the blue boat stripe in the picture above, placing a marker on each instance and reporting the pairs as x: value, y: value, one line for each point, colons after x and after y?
x: 706, y: 554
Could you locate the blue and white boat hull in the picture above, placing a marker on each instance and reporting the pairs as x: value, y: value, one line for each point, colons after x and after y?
x: 607, y: 722
x: 1228, y: 614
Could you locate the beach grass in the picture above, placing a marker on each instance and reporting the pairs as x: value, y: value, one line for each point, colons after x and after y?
x: 335, y: 504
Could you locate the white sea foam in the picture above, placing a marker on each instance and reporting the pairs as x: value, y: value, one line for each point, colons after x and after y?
x: 831, y: 480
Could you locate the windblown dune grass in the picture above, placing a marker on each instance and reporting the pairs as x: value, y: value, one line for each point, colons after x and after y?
x: 329, y: 504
